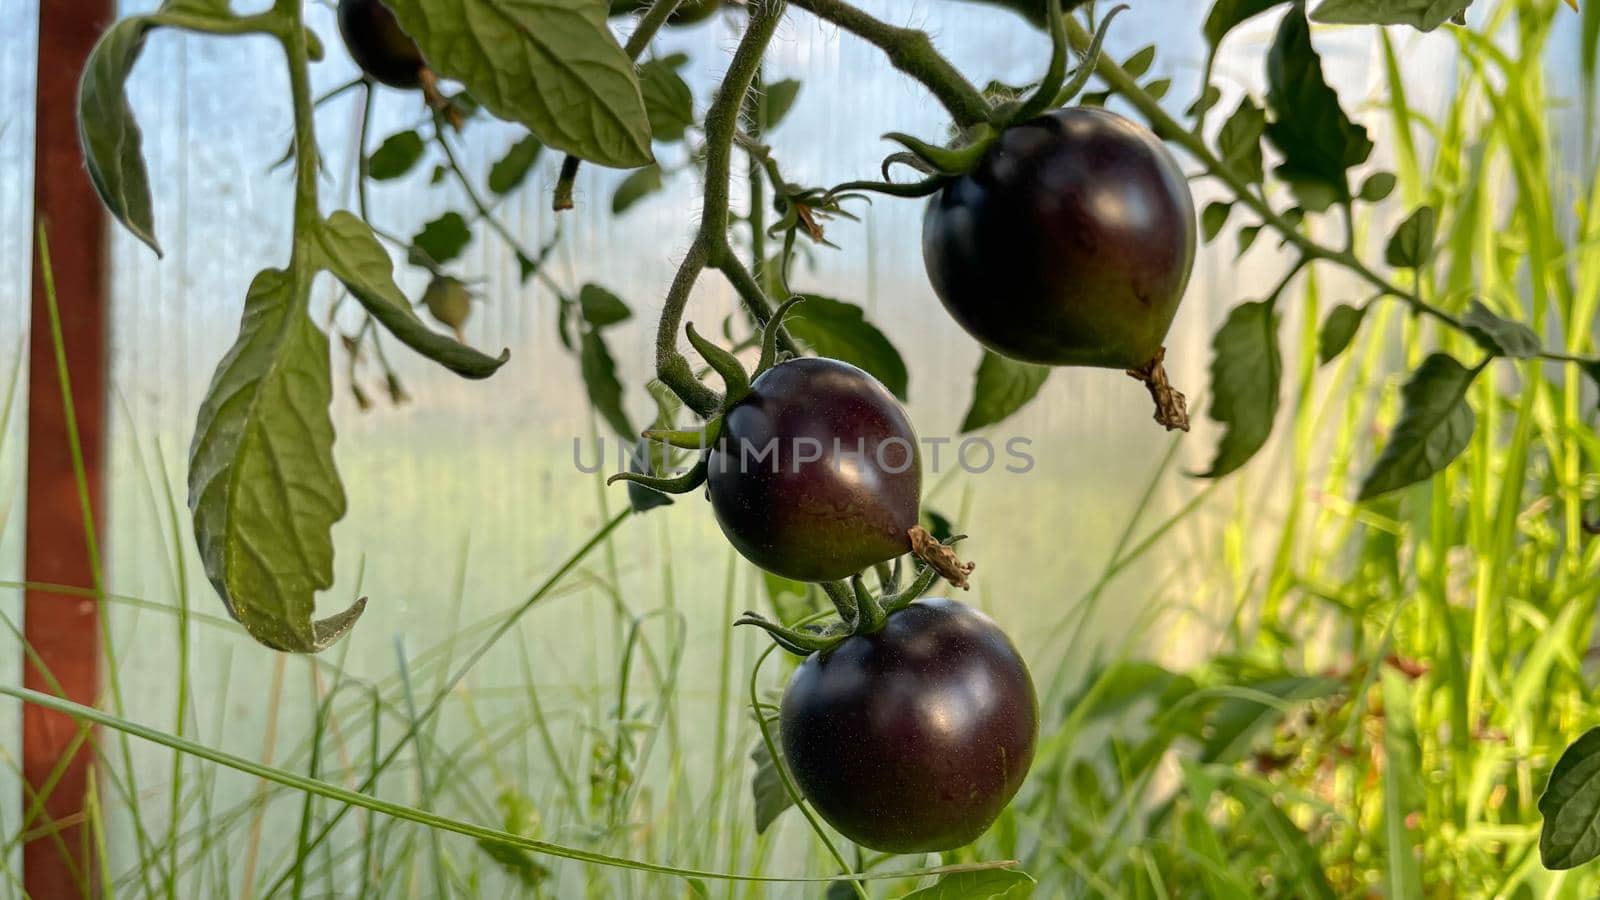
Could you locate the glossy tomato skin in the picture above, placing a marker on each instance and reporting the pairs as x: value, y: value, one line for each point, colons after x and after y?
x: 816, y: 475
x: 1070, y: 244
x: 378, y: 45
x: 914, y: 738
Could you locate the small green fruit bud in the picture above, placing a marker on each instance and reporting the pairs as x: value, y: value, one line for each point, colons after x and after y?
x: 449, y: 301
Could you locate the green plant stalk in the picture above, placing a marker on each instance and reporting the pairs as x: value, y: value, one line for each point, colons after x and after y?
x: 477, y: 654
x: 776, y: 755
x: 357, y: 800
x: 425, y: 798
x: 91, y: 542
x: 710, y: 246
x: 911, y: 51
x: 182, y: 713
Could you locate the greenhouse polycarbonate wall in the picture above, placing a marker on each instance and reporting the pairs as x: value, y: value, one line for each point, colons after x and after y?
x: 466, y: 496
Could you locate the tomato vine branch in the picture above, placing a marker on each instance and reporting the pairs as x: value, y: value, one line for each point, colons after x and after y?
x: 911, y: 51
x: 710, y: 247
x: 1193, y: 141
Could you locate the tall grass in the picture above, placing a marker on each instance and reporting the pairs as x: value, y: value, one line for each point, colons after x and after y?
x: 1388, y: 684
x: 1330, y: 700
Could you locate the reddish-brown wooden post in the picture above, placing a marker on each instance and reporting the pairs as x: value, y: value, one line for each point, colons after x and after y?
x: 63, y: 630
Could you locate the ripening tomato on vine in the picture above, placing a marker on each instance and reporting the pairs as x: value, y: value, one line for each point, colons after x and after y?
x: 1057, y: 232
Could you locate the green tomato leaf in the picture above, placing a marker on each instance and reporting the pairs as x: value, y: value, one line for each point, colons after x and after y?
x: 1245, y: 371
x: 780, y: 99
x: 840, y: 330
x: 553, y: 66
x: 1158, y: 87
x: 1592, y: 369
x: 1424, y: 15
x: 1378, y: 187
x: 397, y: 155
x: 1208, y: 98
x: 110, y: 133
x: 600, y: 380
x: 1227, y: 14
x: 1247, y: 236
x: 1338, y: 330
x: 1570, y: 806
x: 347, y: 247
x: 989, y: 884
x: 601, y: 307
x: 262, y: 484
x: 1214, y: 217
x: 937, y: 523
x: 667, y: 99
x: 1240, y: 141
x: 443, y: 239
x: 1139, y: 63
x: 1000, y: 387
x: 1501, y: 337
x: 1411, y: 245
x: 639, y: 184
x: 766, y: 786
x: 1435, y: 426
x: 1318, y: 141
x: 511, y: 170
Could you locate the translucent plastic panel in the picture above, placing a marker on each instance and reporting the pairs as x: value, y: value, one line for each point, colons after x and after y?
x: 17, y: 53
x: 467, y: 496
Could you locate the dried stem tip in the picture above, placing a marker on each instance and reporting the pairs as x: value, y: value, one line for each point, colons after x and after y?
x: 940, y: 558
x: 436, y: 99
x: 1172, y: 411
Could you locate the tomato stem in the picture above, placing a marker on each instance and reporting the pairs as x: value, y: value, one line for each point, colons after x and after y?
x: 911, y: 51
x: 942, y: 561
x: 1172, y: 410
x: 872, y: 616
x: 844, y: 602
x: 710, y: 248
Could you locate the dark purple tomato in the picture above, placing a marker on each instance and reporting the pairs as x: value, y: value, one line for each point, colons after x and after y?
x: 1070, y: 244
x: 816, y: 475
x: 687, y: 13
x: 914, y: 738
x: 378, y: 45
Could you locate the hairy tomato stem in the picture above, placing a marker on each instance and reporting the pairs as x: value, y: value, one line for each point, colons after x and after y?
x: 710, y: 246
x: 911, y: 51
